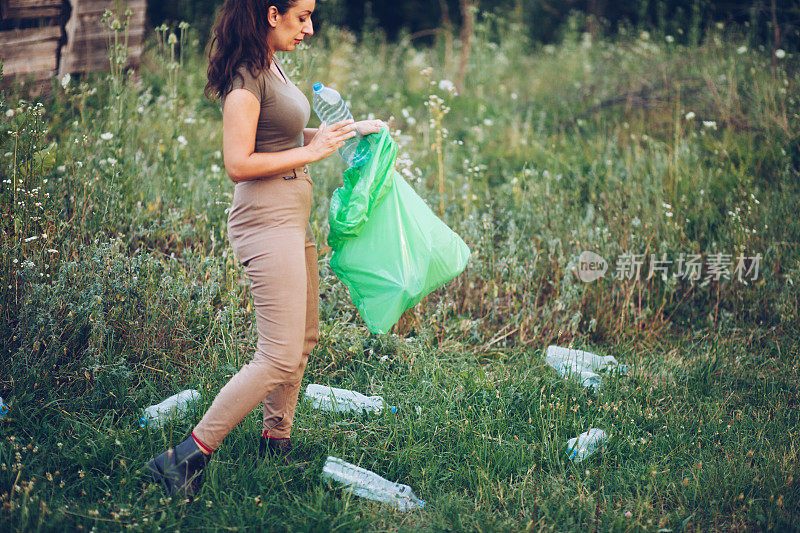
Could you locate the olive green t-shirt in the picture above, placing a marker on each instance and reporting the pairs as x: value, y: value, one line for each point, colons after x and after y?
x: 284, y: 108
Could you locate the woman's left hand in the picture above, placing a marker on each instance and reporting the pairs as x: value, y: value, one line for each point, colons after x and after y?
x: 365, y: 127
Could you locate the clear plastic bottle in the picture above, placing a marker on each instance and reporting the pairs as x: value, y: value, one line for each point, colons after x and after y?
x: 588, y: 360
x: 3, y: 408
x: 580, y: 365
x: 174, y: 406
x: 366, y: 484
x: 331, y: 108
x: 344, y: 401
x: 585, y: 444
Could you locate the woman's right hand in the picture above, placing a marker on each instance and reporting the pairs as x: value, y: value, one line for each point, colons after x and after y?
x: 328, y: 139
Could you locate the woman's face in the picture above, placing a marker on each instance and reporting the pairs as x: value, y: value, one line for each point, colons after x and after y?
x: 289, y: 29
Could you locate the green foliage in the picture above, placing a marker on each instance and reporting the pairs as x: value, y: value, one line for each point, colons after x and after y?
x: 688, y: 21
x: 105, y: 314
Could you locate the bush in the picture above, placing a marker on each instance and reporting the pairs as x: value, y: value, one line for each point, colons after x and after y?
x: 108, y: 315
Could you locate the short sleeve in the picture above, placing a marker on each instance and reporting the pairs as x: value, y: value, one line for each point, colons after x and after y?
x: 244, y: 80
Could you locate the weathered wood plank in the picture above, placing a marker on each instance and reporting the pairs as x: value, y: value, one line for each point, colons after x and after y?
x: 82, y: 7
x: 25, y: 9
x: 21, y: 38
x: 86, y: 48
x: 32, y: 51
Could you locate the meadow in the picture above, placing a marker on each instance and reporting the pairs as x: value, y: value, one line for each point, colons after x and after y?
x: 119, y: 288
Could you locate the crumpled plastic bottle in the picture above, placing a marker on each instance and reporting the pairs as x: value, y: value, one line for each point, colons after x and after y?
x: 585, y: 444
x: 367, y: 484
x: 174, y: 406
x: 344, y: 401
x: 581, y: 365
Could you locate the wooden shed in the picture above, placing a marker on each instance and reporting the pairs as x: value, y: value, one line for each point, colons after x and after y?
x: 43, y: 38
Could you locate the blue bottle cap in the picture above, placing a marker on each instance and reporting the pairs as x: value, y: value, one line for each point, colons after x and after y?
x: 317, y: 87
x: 393, y: 409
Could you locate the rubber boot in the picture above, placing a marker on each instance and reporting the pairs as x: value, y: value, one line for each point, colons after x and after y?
x: 180, y: 469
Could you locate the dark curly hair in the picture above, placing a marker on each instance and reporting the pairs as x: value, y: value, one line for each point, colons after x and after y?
x: 239, y: 38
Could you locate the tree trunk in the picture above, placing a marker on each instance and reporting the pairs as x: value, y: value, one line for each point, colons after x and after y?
x: 447, y: 26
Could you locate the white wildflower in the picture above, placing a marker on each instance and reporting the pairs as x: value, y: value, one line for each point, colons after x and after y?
x: 10, y: 113
x: 107, y: 136
x: 29, y: 239
x: 182, y: 140
x: 690, y: 115
x: 215, y: 168
x: 780, y: 53
x: 741, y: 50
x: 710, y: 124
x: 65, y: 80
x: 447, y: 85
x: 670, y: 39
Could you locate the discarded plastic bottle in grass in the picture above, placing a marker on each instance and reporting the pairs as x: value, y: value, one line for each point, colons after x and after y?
x: 366, y: 484
x: 331, y: 108
x: 3, y: 408
x: 174, y: 406
x: 585, y: 444
x: 344, y: 401
x: 582, y: 358
x: 580, y: 365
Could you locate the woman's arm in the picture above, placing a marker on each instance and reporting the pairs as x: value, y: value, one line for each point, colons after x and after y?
x: 239, y: 123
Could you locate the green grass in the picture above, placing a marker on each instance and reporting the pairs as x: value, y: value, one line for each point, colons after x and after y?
x: 118, y: 288
x: 702, y: 436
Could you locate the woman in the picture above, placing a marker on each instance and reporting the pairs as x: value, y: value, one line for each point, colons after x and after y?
x: 266, y: 149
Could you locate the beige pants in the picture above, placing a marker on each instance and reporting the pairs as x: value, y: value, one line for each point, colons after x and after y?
x: 282, y: 267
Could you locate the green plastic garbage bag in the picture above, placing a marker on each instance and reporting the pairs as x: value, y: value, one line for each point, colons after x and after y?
x: 389, y: 249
